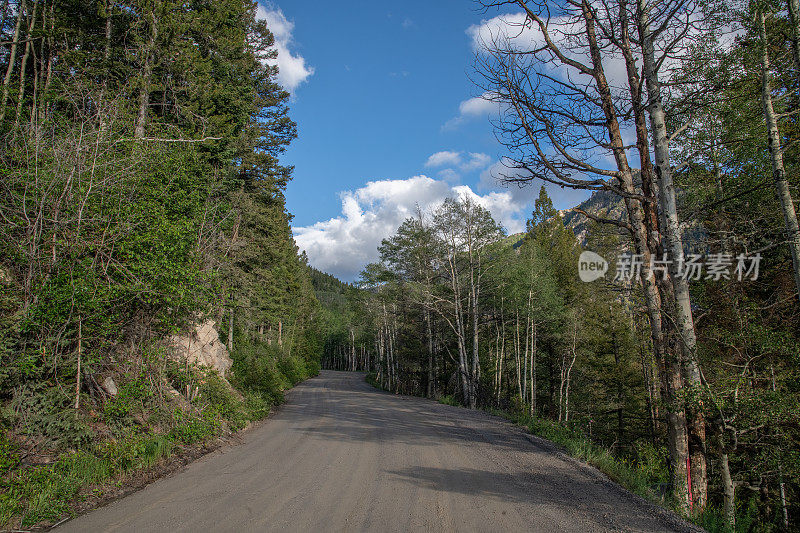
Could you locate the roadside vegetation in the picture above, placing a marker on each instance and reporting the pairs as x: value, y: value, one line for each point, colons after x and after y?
x: 680, y: 119
x: 141, y: 197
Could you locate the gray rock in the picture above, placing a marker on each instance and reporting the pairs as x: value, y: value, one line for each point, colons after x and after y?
x: 109, y: 386
x: 201, y: 345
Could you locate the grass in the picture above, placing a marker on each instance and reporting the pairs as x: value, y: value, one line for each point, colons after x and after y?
x: 448, y: 399
x: 31, y: 495
x: 44, y: 493
x: 640, y: 477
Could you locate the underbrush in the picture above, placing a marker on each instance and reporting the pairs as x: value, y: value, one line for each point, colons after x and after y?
x: 53, y: 456
x: 448, y: 399
x: 643, y: 474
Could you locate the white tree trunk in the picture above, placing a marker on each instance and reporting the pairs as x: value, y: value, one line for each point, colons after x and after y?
x: 776, y: 154
x: 673, y: 244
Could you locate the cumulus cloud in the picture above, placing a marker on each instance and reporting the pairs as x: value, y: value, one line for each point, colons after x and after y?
x: 478, y: 106
x: 292, y: 68
x: 476, y: 161
x: 457, y: 160
x: 449, y: 174
x: 510, y: 26
x: 344, y: 244
x: 445, y: 157
x: 524, y: 194
x: 512, y: 31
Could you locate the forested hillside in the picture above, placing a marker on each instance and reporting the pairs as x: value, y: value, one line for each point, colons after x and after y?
x: 141, y: 201
x: 153, y: 300
x: 677, y: 371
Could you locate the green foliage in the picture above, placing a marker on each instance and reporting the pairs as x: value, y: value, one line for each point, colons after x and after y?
x: 256, y: 406
x: 266, y: 369
x: 47, y: 412
x: 188, y: 428
x: 449, y: 399
x: 218, y: 396
x: 9, y: 458
x: 293, y: 368
x: 713, y: 520
x: 44, y: 493
x: 131, y: 397
x: 121, y: 229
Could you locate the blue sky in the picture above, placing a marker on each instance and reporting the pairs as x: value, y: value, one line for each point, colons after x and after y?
x: 387, y: 118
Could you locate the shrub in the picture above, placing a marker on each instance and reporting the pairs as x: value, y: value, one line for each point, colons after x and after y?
x: 216, y: 394
x: 189, y: 428
x: 8, y: 454
x: 448, y: 399
x: 293, y: 368
x: 47, y: 412
x: 133, y: 395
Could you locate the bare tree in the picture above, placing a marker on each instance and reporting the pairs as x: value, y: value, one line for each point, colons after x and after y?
x: 562, y: 115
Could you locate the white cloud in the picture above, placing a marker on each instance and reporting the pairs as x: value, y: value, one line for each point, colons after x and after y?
x: 344, y: 244
x: 525, y: 193
x: 476, y: 161
x: 512, y: 32
x: 510, y: 26
x: 449, y: 174
x: 445, y: 157
x: 478, y: 106
x: 292, y: 68
x: 450, y: 159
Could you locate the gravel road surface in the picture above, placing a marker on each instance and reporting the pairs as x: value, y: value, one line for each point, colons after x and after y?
x: 342, y: 456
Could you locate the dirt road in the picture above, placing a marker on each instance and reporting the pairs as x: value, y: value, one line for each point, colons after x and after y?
x: 342, y: 456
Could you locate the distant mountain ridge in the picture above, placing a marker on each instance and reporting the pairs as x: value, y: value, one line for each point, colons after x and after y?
x: 602, y: 203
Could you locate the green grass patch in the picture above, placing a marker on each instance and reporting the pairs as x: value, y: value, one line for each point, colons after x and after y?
x: 449, y: 399
x: 638, y: 477
x: 44, y: 493
x: 35, y: 494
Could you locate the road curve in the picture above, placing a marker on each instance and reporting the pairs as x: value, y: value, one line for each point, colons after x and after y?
x: 342, y: 456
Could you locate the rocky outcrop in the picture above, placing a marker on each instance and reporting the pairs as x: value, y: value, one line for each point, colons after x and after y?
x: 201, y: 345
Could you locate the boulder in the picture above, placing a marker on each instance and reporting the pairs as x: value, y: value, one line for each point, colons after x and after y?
x: 109, y: 386
x: 202, y: 345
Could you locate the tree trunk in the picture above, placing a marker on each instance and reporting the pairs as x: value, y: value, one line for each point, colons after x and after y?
x: 230, y: 331
x: 728, y: 491
x: 12, y: 57
x: 525, y: 358
x: 352, y: 350
x: 78, y: 372
x: 574, y: 356
x: 673, y: 244
x: 519, y: 362
x: 533, y: 370
x: 793, y: 6
x: 476, y: 367
x: 429, y: 388
x: 24, y: 64
x: 776, y: 154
